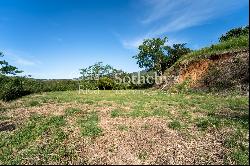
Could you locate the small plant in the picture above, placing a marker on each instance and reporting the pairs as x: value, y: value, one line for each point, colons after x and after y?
x: 240, y: 157
x: 71, y: 111
x: 160, y: 112
x: 176, y: 125
x: 116, y: 113
x: 89, y: 125
x: 34, y: 103
x: 90, y: 102
x: 202, y: 124
x: 123, y: 127
x: 142, y: 155
x: 145, y: 126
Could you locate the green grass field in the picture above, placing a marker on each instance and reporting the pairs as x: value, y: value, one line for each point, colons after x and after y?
x: 125, y: 127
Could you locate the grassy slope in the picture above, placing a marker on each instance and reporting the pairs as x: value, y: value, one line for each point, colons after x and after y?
x: 233, y: 44
x: 45, y: 137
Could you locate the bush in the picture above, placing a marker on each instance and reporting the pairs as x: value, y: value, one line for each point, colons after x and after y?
x: 35, y: 86
x: 106, y: 83
x: 234, y: 33
x: 11, y: 88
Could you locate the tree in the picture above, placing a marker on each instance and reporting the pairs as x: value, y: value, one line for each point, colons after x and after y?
x: 175, y: 52
x: 5, y: 68
x: 98, y: 70
x: 154, y: 55
x: 151, y: 55
x: 233, y: 33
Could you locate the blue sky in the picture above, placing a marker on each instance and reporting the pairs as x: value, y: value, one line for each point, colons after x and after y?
x: 55, y: 38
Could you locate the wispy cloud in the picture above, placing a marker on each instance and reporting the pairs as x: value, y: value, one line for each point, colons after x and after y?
x: 134, y: 43
x: 19, y: 58
x: 166, y: 16
x: 24, y: 62
x: 160, y: 8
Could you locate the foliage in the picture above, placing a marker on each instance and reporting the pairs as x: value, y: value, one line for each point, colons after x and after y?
x: 98, y: 70
x: 183, y: 87
x: 176, y: 125
x: 234, y: 33
x: 151, y: 55
x: 35, y: 86
x: 11, y: 88
x: 241, y: 42
x: 175, y: 52
x: 15, y: 87
x: 99, y: 76
x: 105, y: 83
x: 154, y: 55
x: 5, y: 68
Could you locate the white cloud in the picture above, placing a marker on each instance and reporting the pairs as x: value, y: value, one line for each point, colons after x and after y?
x: 166, y: 16
x: 24, y: 62
x: 182, y: 14
x: 134, y: 43
x: 18, y: 58
x: 160, y: 8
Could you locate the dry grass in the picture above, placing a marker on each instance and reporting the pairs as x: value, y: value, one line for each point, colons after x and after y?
x: 212, y: 129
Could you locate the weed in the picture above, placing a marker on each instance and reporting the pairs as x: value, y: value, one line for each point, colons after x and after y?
x: 89, y: 125
x: 176, y: 125
x: 145, y: 126
x: 33, y: 103
x: 142, y: 155
x: 71, y: 111
x: 123, y: 127
x: 116, y: 113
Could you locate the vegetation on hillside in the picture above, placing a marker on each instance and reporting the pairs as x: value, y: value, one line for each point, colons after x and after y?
x: 154, y: 56
x: 235, y: 33
x: 232, y: 44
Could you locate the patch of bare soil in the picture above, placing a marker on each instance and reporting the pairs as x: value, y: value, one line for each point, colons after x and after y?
x: 194, y: 72
x: 7, y: 126
x: 51, y: 108
x: 149, y: 141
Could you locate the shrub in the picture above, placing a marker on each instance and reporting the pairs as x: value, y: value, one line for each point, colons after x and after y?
x: 35, y: 86
x: 176, y: 125
x: 106, y: 83
x: 11, y: 88
x: 234, y: 33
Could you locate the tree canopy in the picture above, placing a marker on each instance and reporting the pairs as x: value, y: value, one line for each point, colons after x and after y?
x: 235, y: 32
x: 5, y: 68
x: 154, y: 55
x: 151, y: 54
x: 98, y: 70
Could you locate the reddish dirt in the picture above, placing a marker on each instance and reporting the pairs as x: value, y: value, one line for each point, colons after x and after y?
x: 196, y: 70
